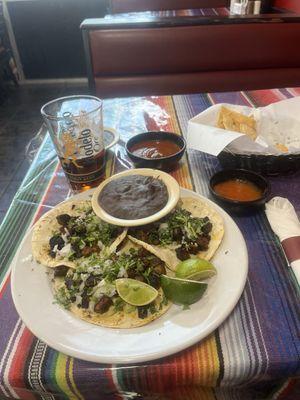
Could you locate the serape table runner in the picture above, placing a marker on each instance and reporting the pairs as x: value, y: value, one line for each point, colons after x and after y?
x: 254, y: 354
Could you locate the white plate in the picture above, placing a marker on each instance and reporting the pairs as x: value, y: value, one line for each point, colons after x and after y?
x: 174, y: 331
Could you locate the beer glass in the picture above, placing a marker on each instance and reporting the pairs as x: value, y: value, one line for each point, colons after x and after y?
x: 75, y: 125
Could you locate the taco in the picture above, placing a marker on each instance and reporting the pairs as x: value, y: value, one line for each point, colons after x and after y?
x: 72, y: 231
x: 90, y: 293
x: 193, y: 229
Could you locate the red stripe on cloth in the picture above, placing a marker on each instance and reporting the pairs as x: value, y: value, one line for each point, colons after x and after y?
x: 294, y: 91
x: 162, y: 377
x: 291, y: 247
x: 222, y: 11
x: 17, y: 369
x: 160, y: 119
x: 4, y: 286
x: 109, y: 383
x: 265, y: 97
x: 17, y: 366
x: 151, y: 124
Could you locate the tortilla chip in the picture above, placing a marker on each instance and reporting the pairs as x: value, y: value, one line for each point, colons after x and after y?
x: 230, y: 124
x: 237, y: 122
x: 281, y: 147
x: 251, y: 132
x: 220, y: 123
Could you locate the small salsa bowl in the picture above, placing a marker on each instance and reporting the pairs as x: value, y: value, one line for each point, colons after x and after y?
x: 240, y: 206
x: 162, y: 163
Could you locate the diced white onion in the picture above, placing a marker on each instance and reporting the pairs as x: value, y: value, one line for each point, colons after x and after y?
x: 104, y: 287
x: 91, y: 305
x: 65, y: 238
x: 65, y: 250
x: 107, y: 263
x: 164, y: 225
x: 122, y: 273
x: 98, y: 270
x: 78, y: 299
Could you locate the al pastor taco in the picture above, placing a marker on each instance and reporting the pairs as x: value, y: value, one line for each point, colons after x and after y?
x: 193, y: 229
x: 72, y: 231
x: 90, y: 291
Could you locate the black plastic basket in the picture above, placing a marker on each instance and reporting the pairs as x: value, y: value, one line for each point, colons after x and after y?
x: 263, y: 164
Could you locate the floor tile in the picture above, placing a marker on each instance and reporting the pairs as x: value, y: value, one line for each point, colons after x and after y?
x: 3, y: 185
x: 7, y: 197
x: 7, y: 168
x: 2, y: 215
x: 21, y: 170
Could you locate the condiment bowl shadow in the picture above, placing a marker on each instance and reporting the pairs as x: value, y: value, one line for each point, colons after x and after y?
x: 239, y: 206
x: 162, y: 163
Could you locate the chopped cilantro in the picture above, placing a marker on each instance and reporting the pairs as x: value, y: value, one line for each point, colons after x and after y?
x: 119, y: 304
x: 164, y: 300
x: 152, y: 308
x: 62, y: 297
x: 179, y: 226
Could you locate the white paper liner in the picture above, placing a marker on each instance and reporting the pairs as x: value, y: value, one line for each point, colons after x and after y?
x: 278, y: 123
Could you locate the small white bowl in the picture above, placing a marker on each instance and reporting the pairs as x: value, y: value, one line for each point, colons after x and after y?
x: 169, y: 181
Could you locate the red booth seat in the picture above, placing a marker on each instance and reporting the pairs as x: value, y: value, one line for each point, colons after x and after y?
x: 186, y: 55
x: 291, y: 5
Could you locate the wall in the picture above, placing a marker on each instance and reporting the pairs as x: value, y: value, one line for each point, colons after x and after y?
x: 48, y: 35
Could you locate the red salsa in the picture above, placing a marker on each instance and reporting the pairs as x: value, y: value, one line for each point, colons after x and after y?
x: 155, y: 148
x: 238, y: 189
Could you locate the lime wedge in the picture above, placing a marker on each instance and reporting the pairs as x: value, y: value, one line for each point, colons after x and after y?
x: 195, y: 269
x: 135, y: 292
x: 182, y: 291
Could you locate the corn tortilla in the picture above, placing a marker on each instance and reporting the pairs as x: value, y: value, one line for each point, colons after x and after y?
x: 198, y: 208
x: 47, y: 225
x: 123, y: 319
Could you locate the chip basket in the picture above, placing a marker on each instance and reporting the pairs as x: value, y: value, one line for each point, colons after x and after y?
x: 261, y: 163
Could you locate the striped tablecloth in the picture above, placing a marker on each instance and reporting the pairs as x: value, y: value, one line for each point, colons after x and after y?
x: 254, y: 354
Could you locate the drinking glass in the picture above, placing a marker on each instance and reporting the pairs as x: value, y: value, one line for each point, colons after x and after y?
x: 75, y: 124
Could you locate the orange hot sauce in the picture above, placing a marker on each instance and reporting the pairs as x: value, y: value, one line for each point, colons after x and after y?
x: 238, y: 189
